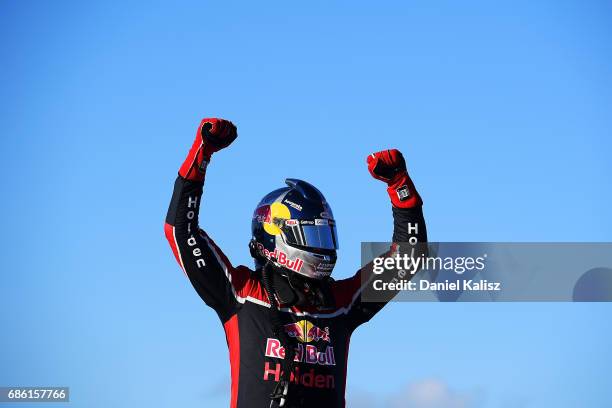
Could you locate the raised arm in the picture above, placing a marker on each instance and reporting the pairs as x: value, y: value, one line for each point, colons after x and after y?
x: 409, y: 232
x: 209, y: 271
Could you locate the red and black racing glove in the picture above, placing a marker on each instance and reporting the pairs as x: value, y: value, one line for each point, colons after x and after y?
x: 213, y: 135
x: 390, y: 167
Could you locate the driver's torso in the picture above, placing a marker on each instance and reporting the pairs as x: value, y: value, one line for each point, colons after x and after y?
x: 256, y: 354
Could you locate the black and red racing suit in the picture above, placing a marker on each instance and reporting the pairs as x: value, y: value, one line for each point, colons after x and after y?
x: 239, y: 299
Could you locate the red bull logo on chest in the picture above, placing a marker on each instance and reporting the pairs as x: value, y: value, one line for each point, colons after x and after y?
x: 304, y: 353
x: 305, y: 332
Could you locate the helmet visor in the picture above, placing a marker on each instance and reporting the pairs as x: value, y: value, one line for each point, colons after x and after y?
x: 318, y: 233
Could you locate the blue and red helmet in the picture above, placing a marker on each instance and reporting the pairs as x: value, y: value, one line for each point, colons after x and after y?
x: 294, y: 227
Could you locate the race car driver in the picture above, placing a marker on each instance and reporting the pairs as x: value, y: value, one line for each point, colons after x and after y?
x: 288, y: 323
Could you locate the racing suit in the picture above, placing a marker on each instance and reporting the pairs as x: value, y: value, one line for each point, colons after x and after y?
x: 237, y: 295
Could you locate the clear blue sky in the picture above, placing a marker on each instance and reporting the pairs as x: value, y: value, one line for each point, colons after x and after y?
x: 502, y: 110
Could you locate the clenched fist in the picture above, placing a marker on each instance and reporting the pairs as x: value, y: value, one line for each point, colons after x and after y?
x: 217, y: 134
x: 390, y: 167
x: 213, y: 135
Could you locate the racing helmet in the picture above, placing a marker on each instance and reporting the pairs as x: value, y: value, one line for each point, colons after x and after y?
x: 294, y: 228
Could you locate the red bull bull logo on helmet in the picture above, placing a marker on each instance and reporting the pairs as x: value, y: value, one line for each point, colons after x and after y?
x: 262, y: 214
x: 282, y: 259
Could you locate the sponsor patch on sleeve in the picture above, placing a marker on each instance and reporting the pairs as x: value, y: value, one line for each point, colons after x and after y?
x: 403, y: 193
